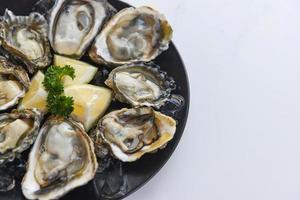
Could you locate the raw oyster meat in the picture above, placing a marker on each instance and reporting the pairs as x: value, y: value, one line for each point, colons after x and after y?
x: 130, y: 133
x: 75, y: 23
x: 140, y: 84
x: 18, y: 131
x: 133, y: 34
x: 26, y: 39
x: 14, y: 82
x: 61, y: 159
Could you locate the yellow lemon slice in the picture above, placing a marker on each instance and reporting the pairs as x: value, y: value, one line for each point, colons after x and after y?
x: 90, y: 102
x: 84, y: 72
x: 36, y: 96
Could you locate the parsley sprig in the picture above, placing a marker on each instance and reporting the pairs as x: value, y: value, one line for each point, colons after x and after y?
x: 57, y: 103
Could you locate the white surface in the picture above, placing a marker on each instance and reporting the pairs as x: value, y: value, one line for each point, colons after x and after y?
x: 242, y: 140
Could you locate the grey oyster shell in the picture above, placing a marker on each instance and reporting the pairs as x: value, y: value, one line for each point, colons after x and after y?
x: 14, y: 82
x: 75, y: 23
x: 141, y: 84
x: 133, y: 34
x: 25, y: 38
x: 18, y: 130
x: 61, y: 159
x: 128, y: 134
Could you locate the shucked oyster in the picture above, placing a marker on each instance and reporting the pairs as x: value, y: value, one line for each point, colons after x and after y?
x: 133, y: 34
x: 130, y: 133
x: 14, y: 82
x: 75, y: 23
x: 26, y: 39
x: 61, y: 159
x: 140, y: 84
x: 18, y: 131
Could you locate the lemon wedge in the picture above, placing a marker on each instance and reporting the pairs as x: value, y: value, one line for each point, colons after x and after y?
x: 36, y: 96
x: 90, y: 102
x: 84, y: 72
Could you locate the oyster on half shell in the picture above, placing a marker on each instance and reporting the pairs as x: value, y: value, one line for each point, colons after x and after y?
x: 61, y: 159
x: 14, y: 82
x: 131, y: 133
x: 75, y: 23
x: 133, y: 34
x: 26, y: 39
x: 140, y: 84
x: 18, y: 131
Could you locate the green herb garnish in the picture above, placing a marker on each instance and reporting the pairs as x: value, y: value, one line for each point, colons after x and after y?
x: 57, y: 103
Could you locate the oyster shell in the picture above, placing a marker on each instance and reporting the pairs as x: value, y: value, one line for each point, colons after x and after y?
x: 131, y: 133
x: 61, y: 159
x: 133, y: 34
x: 18, y: 131
x: 140, y: 84
x: 75, y: 23
x: 14, y: 82
x: 26, y: 39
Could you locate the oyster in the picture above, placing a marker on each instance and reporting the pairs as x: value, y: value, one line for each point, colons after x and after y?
x: 133, y: 34
x: 61, y: 159
x: 14, y: 82
x: 75, y: 23
x: 26, y: 39
x: 18, y: 131
x: 140, y: 84
x: 130, y: 133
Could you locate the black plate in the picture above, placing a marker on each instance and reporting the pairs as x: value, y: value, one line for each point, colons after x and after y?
x: 121, y: 179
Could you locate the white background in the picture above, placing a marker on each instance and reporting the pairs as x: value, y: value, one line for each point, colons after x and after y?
x: 242, y: 140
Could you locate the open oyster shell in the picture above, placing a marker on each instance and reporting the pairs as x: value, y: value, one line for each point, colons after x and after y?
x: 75, y: 23
x: 133, y: 34
x: 61, y: 159
x: 14, y: 82
x: 26, y: 39
x: 18, y: 131
x: 140, y: 84
x: 131, y: 133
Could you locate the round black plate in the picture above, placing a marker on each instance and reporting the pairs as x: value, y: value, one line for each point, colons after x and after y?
x: 121, y: 179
